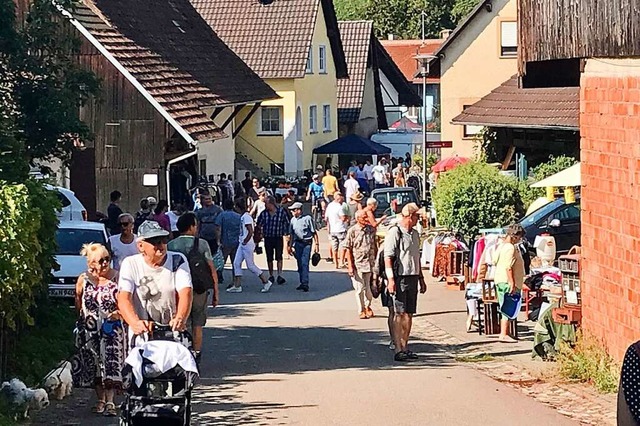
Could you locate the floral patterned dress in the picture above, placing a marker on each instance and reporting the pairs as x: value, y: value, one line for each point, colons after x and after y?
x: 100, y: 342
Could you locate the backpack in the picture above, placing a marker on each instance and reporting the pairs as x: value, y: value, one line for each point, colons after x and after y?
x: 201, y: 277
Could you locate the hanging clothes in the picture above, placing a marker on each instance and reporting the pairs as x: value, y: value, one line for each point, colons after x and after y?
x: 442, y: 263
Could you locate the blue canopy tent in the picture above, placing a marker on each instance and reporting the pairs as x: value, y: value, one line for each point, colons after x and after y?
x: 354, y: 145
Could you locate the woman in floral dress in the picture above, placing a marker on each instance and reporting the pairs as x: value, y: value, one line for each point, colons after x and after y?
x: 98, y: 363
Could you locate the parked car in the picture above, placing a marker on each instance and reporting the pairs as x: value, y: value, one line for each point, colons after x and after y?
x: 72, y: 208
x: 387, y: 196
x: 557, y: 218
x: 70, y: 237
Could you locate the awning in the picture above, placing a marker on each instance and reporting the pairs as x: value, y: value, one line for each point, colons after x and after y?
x: 353, y: 144
x: 567, y: 177
x: 508, y: 105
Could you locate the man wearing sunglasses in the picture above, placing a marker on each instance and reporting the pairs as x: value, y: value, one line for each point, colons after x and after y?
x: 155, y: 285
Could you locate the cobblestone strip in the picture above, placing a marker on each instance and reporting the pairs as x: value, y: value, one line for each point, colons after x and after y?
x: 577, y: 401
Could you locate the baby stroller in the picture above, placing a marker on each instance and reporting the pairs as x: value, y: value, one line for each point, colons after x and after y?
x: 158, y: 377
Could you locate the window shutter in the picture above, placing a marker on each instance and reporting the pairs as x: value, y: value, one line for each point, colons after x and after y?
x: 509, y: 34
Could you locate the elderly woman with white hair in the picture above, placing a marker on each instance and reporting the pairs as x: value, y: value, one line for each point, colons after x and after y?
x: 372, y: 205
x: 98, y: 363
x: 123, y: 244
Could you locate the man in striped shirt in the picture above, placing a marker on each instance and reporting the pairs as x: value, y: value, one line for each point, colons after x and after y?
x: 274, y: 222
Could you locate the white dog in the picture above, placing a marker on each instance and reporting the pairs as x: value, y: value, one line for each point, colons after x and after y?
x: 22, y: 398
x: 58, y: 382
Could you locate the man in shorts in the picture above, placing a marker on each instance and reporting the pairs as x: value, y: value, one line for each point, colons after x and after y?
x: 404, y: 275
x: 188, y: 229
x: 337, y: 222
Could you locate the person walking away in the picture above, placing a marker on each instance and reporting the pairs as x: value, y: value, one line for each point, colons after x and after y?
x: 155, y: 285
x: 372, y: 205
x: 351, y: 186
x: 142, y: 214
x: 360, y: 244
x: 228, y: 229
x: 404, y: 275
x: 330, y: 185
x: 368, y: 173
x: 247, y: 183
x: 337, y: 220
x: 159, y: 215
x: 260, y: 204
x: 173, y: 215
x: 100, y: 331
x: 245, y: 251
x: 113, y: 212
x: 124, y: 244
x: 225, y: 188
x: 379, y: 176
x: 303, y: 234
x: 274, y: 222
x: 354, y: 206
x: 407, y: 160
x: 207, y: 221
x: 204, y: 278
x: 509, y: 273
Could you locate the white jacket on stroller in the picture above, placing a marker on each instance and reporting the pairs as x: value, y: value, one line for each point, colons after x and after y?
x: 162, y: 356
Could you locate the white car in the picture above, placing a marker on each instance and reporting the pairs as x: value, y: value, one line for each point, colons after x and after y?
x: 72, y: 208
x: 71, y: 236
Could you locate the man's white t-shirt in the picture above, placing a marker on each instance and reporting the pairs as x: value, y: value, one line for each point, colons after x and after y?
x: 351, y: 186
x: 245, y: 220
x: 121, y: 250
x: 335, y: 214
x: 173, y: 220
x: 368, y: 171
x: 154, y: 289
x: 379, y: 173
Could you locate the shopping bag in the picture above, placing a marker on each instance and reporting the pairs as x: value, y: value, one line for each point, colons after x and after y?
x: 511, y: 305
x: 218, y: 260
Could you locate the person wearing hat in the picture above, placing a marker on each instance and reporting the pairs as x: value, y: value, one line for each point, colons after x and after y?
x: 303, y: 234
x: 354, y: 205
x: 155, y: 285
x: 360, y: 245
x: 404, y: 276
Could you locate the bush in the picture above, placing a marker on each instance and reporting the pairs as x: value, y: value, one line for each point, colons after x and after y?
x: 589, y: 362
x: 27, y: 247
x: 475, y: 196
x: 542, y: 171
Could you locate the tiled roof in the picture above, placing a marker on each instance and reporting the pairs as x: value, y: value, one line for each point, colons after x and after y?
x: 356, y: 39
x: 511, y: 106
x: 175, y: 56
x: 403, y: 53
x: 273, y: 39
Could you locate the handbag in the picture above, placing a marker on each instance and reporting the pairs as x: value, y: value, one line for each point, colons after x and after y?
x: 218, y: 260
x: 511, y: 304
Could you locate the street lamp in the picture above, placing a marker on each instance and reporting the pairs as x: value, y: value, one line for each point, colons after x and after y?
x: 424, y: 71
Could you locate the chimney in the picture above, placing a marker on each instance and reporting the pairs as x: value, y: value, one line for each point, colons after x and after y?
x: 444, y: 34
x: 390, y: 37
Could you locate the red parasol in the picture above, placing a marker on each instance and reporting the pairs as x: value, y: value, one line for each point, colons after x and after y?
x: 450, y: 163
x: 405, y: 124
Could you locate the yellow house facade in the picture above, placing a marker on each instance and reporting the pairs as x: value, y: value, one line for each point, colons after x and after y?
x: 476, y: 58
x: 295, y: 47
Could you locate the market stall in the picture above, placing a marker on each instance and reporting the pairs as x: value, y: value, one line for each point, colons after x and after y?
x: 351, y: 147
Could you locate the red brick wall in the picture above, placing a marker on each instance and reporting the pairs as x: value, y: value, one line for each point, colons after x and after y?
x: 610, y: 155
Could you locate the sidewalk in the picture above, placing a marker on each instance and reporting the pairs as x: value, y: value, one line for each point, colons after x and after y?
x: 443, y: 323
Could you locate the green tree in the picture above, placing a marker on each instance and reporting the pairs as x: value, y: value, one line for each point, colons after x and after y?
x: 475, y: 196
x: 462, y: 8
x: 543, y: 171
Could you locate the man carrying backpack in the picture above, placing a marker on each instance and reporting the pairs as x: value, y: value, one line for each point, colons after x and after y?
x: 203, y: 274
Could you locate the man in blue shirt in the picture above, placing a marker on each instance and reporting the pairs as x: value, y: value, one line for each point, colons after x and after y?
x: 303, y: 234
x: 315, y: 193
x: 274, y: 222
x: 228, y: 229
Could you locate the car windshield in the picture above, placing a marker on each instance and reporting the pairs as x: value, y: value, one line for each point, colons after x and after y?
x: 70, y: 241
x: 540, y: 213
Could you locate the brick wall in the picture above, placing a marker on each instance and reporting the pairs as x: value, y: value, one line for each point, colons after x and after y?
x: 610, y: 155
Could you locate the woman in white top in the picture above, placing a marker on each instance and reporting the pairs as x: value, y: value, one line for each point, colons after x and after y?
x: 124, y: 244
x: 245, y: 251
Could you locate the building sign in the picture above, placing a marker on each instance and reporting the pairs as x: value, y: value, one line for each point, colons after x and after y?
x: 150, y: 180
x: 439, y: 144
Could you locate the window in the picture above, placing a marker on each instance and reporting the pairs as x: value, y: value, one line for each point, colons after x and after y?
x: 508, y: 38
x: 322, y: 63
x: 570, y: 213
x: 310, y: 61
x: 270, y: 121
x: 471, y: 131
x: 313, y: 118
x: 326, y: 118
x: 203, y: 167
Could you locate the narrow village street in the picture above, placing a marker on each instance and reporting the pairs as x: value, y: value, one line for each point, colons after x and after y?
x: 288, y: 357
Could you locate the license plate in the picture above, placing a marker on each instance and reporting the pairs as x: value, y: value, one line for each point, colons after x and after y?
x: 62, y: 292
